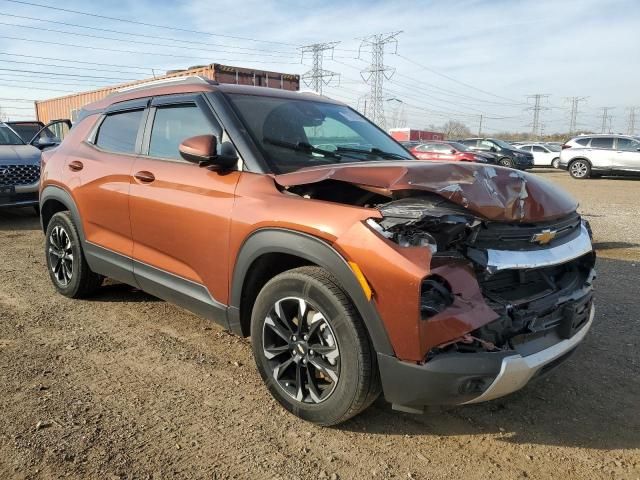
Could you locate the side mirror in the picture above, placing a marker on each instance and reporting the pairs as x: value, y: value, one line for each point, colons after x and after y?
x: 452, y: 151
x: 493, y: 149
x: 203, y: 150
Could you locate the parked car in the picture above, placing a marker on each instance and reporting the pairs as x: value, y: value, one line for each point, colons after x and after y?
x: 19, y: 168
x: 596, y: 155
x: 451, y: 152
x: 507, y: 154
x: 354, y: 269
x: 544, y: 155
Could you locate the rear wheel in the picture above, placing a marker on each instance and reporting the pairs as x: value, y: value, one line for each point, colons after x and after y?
x: 555, y: 163
x: 67, y: 266
x: 311, y: 347
x: 580, y: 169
x: 506, y: 162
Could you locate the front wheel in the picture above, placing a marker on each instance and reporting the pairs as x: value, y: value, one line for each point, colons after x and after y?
x: 505, y: 162
x: 555, y: 163
x: 311, y: 347
x: 580, y: 169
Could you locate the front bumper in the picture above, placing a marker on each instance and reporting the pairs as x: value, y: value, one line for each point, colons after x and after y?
x: 19, y: 195
x: 463, y: 378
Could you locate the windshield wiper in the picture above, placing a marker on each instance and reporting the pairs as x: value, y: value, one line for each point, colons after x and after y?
x: 302, y: 147
x: 374, y: 151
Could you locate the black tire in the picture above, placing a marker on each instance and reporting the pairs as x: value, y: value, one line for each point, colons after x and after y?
x: 505, y: 162
x: 357, y: 384
x: 580, y: 169
x: 67, y: 266
x: 555, y: 163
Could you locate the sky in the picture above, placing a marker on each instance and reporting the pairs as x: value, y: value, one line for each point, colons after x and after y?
x: 454, y: 59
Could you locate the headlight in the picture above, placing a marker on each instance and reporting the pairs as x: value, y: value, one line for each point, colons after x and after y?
x: 430, y: 222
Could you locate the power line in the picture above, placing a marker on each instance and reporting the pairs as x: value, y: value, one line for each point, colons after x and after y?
x: 535, y: 125
x: 455, y: 80
x: 139, y: 42
x: 317, y: 76
x: 573, y: 114
x: 145, y: 24
x: 377, y: 72
x: 142, y: 35
x: 138, y: 52
x: 84, y: 62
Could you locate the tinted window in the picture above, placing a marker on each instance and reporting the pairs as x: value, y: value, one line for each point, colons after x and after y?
x: 628, y: 145
x: 539, y: 149
x: 26, y: 130
x: 118, y: 132
x: 526, y: 148
x: 469, y: 143
x: 602, y: 142
x: 173, y: 125
x: 8, y: 137
x: 583, y: 141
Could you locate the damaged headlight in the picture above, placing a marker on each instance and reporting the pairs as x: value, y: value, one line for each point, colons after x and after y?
x: 429, y: 222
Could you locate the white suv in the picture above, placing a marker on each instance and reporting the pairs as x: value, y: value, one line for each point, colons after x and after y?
x: 596, y: 155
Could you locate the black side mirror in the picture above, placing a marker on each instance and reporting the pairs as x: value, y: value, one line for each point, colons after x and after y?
x: 452, y: 151
x: 203, y: 150
x: 493, y: 149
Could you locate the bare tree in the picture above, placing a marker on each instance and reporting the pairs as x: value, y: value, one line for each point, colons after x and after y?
x: 454, y: 129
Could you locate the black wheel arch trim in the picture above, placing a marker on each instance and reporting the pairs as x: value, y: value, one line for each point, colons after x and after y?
x: 276, y: 240
x: 59, y: 194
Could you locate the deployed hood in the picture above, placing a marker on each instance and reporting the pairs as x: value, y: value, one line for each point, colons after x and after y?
x: 19, y: 155
x: 494, y: 193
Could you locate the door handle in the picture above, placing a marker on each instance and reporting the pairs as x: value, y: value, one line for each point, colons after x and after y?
x: 144, y: 177
x: 75, y: 165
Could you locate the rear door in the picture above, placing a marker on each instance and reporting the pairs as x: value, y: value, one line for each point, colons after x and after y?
x: 601, y: 153
x: 628, y: 154
x: 100, y: 173
x: 540, y: 155
x: 180, y: 212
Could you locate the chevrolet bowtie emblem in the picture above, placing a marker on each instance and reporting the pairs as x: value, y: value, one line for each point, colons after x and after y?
x: 544, y: 237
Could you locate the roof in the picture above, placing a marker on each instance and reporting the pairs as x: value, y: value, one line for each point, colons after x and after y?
x: 194, y: 84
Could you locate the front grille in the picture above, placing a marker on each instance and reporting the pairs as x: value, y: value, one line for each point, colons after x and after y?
x: 510, y: 236
x: 15, y: 175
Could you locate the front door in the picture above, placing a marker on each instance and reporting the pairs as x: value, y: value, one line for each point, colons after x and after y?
x: 180, y: 212
x: 628, y: 155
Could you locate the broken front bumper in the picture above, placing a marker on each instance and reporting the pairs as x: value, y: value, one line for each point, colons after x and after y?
x: 462, y: 378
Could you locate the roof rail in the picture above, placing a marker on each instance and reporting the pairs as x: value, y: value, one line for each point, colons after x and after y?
x: 191, y: 79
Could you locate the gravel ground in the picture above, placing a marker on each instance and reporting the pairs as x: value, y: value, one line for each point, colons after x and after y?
x: 127, y: 386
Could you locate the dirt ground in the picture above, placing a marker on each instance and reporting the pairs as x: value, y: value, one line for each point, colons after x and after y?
x: 127, y: 386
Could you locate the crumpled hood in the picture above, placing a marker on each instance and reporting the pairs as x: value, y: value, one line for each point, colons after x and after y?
x: 494, y: 193
x: 19, y: 155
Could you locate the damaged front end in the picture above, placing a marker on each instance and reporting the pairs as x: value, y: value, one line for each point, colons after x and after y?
x: 540, y: 293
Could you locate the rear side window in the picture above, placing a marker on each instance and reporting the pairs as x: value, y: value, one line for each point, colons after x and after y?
x: 539, y: 149
x: 602, y: 142
x: 119, y: 131
x: 583, y: 141
x: 172, y: 125
x: 526, y: 148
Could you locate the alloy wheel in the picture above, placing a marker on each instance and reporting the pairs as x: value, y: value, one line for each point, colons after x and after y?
x: 579, y: 169
x: 301, y: 349
x: 61, y: 255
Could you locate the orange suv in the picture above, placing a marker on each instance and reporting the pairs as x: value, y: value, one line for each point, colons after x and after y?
x: 291, y: 218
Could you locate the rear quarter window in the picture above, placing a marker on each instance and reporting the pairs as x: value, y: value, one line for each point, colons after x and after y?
x: 602, y: 142
x: 583, y: 141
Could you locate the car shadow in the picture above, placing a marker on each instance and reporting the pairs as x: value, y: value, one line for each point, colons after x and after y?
x: 114, y: 292
x: 614, y: 245
x: 12, y: 219
x: 590, y: 401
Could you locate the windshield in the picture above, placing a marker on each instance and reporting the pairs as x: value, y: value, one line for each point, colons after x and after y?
x: 26, y: 130
x: 503, y: 144
x: 8, y: 136
x: 294, y: 134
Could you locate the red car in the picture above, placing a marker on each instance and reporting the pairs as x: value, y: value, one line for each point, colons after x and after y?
x: 450, y: 152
